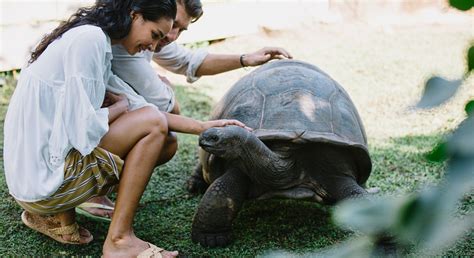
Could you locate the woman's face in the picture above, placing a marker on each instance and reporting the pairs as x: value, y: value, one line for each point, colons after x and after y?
x: 145, y: 35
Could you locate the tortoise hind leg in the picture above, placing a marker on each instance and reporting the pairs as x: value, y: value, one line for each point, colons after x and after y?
x: 212, y: 222
x: 195, y: 183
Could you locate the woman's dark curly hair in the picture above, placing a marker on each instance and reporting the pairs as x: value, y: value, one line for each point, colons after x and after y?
x: 112, y: 16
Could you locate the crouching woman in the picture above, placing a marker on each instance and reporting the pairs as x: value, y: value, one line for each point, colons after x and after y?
x: 74, y: 130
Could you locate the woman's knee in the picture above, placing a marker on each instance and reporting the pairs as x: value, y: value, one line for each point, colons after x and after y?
x: 156, y: 122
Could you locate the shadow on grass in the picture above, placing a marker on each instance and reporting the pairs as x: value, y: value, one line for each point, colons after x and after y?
x: 166, y: 210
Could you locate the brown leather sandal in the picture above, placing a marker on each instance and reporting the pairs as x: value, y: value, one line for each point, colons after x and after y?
x: 51, y: 227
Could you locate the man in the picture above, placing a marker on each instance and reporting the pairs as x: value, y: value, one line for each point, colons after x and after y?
x: 138, y: 73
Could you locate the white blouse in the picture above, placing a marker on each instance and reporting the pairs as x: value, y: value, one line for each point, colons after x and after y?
x: 56, y: 106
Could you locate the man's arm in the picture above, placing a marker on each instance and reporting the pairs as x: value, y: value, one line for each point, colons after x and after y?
x: 178, y: 59
x: 194, y: 64
x: 217, y: 63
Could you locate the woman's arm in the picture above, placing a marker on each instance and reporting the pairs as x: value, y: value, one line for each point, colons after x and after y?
x: 188, y: 125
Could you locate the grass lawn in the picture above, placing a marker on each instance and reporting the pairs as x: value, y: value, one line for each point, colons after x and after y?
x: 383, y: 71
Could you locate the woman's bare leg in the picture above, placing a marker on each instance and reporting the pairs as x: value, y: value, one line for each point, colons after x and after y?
x: 138, y: 137
x: 167, y: 153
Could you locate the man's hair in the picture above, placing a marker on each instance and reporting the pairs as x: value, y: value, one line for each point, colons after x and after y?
x: 193, y: 8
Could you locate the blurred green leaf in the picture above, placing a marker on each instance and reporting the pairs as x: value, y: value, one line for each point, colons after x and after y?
x: 470, y: 58
x: 459, y: 177
x: 469, y: 108
x: 360, y: 247
x: 461, y: 143
x: 447, y: 233
x: 439, y: 153
x: 462, y: 5
x: 355, y: 247
x: 437, y: 90
x: 420, y: 216
x: 276, y: 254
x: 427, y: 219
x: 445, y: 229
x: 369, y: 216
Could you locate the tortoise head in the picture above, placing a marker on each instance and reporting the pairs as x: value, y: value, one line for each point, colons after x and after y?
x: 226, y: 142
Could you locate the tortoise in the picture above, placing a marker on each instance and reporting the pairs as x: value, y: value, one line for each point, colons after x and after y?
x: 308, y: 143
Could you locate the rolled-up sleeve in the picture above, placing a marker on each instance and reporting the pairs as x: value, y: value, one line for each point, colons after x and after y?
x: 180, y: 60
x: 118, y: 86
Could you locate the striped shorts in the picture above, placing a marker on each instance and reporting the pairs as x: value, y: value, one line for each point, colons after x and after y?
x: 85, y: 177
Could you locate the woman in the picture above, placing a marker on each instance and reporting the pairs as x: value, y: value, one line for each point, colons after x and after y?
x: 67, y: 139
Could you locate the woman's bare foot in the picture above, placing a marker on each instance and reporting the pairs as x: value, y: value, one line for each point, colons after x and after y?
x: 85, y: 236
x: 129, y: 246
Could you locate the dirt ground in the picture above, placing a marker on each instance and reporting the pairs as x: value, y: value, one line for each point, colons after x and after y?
x: 383, y: 68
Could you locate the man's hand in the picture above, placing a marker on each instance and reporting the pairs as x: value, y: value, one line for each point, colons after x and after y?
x: 264, y: 55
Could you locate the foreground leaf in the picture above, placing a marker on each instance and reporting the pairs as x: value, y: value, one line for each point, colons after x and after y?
x: 461, y: 143
x: 459, y: 178
x: 462, y: 5
x: 422, y: 216
x: 439, y: 153
x: 470, y: 108
x: 470, y: 59
x: 369, y: 216
x: 437, y: 91
x: 356, y: 247
x: 447, y: 234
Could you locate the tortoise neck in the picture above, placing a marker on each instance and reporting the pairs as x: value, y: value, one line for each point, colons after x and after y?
x: 265, y: 166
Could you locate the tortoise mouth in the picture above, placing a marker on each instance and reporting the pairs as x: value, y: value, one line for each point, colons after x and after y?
x: 212, y: 149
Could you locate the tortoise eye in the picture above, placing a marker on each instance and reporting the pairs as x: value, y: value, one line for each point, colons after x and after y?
x: 214, y: 138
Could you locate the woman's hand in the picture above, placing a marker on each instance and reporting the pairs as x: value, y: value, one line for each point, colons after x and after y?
x: 182, y: 124
x: 112, y: 98
x: 116, y: 103
x: 223, y: 122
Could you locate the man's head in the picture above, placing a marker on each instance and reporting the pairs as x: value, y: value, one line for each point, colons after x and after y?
x: 188, y: 11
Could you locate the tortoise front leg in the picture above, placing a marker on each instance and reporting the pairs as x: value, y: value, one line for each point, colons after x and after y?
x: 212, y: 223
